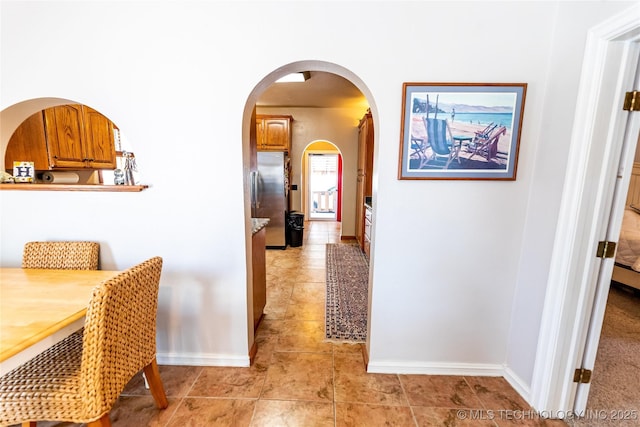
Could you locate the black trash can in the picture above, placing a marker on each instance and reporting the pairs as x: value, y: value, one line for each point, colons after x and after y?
x: 295, y: 228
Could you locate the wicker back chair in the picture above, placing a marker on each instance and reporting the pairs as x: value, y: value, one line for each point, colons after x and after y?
x: 80, y: 378
x: 61, y: 255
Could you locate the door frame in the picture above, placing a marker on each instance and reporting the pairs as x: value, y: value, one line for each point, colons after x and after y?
x: 248, y: 122
x: 603, y: 283
x: 609, y: 69
x: 307, y: 189
x: 304, y: 202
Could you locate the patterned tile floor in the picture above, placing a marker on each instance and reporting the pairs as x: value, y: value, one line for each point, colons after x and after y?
x: 297, y: 379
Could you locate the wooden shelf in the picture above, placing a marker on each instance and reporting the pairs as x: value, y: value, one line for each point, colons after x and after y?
x: 73, y: 187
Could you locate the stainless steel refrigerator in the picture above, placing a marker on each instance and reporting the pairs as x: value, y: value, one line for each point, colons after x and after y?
x: 270, y: 195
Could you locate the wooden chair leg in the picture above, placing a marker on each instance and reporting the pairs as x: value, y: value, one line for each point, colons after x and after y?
x: 29, y: 424
x: 104, y: 421
x: 155, y: 384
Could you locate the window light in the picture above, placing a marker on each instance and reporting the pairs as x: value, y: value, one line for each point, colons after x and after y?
x: 295, y: 77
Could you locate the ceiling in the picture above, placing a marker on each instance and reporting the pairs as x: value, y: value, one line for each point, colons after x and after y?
x: 321, y: 90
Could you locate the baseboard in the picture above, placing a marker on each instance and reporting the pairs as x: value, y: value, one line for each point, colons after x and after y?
x: 462, y: 369
x: 347, y: 237
x: 417, y: 368
x: 200, y: 359
x: 518, y: 384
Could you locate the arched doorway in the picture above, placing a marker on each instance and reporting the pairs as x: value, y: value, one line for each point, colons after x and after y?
x: 322, y: 182
x: 345, y: 142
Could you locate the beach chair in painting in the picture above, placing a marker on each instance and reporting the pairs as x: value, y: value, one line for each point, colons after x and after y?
x: 484, y: 133
x: 419, y: 150
x: 487, y: 144
x: 440, y: 142
x: 481, y: 135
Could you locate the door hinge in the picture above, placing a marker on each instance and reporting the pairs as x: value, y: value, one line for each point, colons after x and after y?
x: 606, y: 249
x: 582, y: 376
x: 631, y: 101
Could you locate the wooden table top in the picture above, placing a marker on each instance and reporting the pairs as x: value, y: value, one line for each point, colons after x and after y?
x: 36, y: 303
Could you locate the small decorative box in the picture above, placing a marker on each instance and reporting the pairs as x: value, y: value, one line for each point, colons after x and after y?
x: 24, y: 172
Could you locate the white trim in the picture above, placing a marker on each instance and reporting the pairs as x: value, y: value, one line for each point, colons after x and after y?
x: 583, y: 216
x: 458, y: 369
x: 421, y: 368
x: 518, y: 384
x: 627, y: 133
x: 201, y: 359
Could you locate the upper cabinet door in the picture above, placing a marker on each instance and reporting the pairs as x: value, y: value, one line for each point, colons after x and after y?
x: 273, y: 133
x: 100, y: 143
x: 29, y: 144
x: 64, y: 128
x: 276, y: 133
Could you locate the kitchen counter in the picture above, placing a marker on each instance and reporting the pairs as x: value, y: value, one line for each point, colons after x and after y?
x: 258, y: 224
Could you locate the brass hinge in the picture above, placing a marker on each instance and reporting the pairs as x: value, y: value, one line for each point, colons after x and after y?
x: 631, y: 101
x: 606, y: 249
x: 582, y: 376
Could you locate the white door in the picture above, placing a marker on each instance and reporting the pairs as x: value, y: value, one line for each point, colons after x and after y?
x: 631, y: 135
x: 590, y: 211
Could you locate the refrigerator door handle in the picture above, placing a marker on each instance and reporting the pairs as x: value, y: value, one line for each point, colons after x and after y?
x: 255, y: 199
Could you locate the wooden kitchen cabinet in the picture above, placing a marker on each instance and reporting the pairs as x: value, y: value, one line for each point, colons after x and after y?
x: 28, y: 143
x: 64, y: 129
x: 259, y: 275
x: 100, y: 140
x: 364, y: 183
x: 66, y: 137
x: 273, y: 133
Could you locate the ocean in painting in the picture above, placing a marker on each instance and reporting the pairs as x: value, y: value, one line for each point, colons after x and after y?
x: 501, y: 119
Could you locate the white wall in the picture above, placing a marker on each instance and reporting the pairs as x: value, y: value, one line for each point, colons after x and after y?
x: 564, y: 66
x: 459, y: 267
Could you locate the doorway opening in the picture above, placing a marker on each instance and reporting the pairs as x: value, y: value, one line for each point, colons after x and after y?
x: 307, y: 135
x: 612, y: 342
x: 323, y: 186
x: 574, y: 305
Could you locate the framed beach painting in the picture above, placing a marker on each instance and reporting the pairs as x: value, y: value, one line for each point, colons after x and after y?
x: 461, y: 130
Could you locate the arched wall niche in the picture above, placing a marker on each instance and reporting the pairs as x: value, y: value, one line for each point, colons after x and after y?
x: 98, y: 172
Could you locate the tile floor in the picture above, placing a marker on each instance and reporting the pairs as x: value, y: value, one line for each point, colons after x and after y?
x: 297, y: 379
